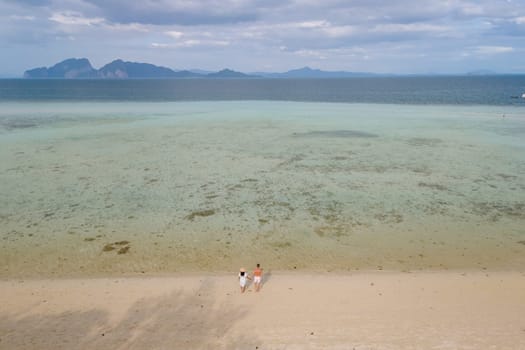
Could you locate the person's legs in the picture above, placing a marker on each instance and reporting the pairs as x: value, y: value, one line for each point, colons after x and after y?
x: 257, y: 283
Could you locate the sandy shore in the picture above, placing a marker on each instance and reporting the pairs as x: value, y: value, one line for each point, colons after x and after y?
x: 365, y: 310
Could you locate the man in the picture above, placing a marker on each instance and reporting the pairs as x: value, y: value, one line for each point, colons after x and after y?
x: 257, y: 277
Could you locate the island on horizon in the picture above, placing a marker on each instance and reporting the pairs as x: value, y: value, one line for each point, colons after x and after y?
x: 81, y: 68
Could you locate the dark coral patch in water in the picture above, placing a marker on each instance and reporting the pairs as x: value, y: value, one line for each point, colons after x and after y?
x: 433, y: 186
x: 108, y: 248
x: 202, y: 213
x: 122, y: 246
x: 336, y: 133
x: 123, y: 250
x: 14, y: 124
x: 496, y: 210
x: 423, y: 141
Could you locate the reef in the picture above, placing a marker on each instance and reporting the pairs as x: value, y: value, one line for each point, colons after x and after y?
x: 202, y: 213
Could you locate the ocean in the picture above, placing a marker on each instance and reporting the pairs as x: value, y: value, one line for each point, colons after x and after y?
x: 455, y: 90
x: 108, y: 177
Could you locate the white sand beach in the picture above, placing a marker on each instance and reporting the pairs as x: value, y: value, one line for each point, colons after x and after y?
x: 364, y: 310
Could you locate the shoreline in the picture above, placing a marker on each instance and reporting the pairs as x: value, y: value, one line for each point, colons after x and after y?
x: 283, y: 272
x: 294, y: 310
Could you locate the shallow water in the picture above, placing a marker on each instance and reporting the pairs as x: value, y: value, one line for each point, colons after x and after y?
x: 104, y: 188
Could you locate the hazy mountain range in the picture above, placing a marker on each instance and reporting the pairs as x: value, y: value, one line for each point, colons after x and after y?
x: 81, y: 68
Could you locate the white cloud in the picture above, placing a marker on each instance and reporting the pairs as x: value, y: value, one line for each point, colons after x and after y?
x: 519, y: 20
x: 340, y: 31
x: 75, y: 18
x: 470, y: 9
x: 310, y: 53
x: 492, y: 50
x: 22, y: 18
x: 174, y: 34
x: 131, y: 27
x: 189, y: 43
x: 410, y: 28
x: 160, y: 45
x: 312, y: 24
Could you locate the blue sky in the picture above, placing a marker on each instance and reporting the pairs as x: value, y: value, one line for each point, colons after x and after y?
x: 383, y: 36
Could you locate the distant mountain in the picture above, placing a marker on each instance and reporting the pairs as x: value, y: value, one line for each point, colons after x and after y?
x: 81, y: 68
x: 307, y: 72
x: 70, y: 69
x: 120, y: 69
x: 228, y: 73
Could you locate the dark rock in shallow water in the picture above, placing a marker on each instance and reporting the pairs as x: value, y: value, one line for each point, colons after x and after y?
x: 11, y: 124
x: 123, y: 250
x: 108, y: 248
x: 194, y: 214
x: 336, y: 133
x: 433, y: 186
x: 21, y: 125
x: 423, y: 141
x: 122, y: 246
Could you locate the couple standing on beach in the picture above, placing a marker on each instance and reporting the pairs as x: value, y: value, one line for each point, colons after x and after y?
x: 244, y: 277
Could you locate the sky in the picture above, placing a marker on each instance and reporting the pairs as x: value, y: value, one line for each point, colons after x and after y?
x: 381, y: 36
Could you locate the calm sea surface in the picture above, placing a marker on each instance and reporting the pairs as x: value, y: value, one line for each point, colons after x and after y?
x: 492, y: 90
x: 110, y: 177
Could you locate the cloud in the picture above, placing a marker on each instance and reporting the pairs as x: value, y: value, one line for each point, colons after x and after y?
x: 127, y: 27
x: 391, y: 35
x: 492, y: 50
x: 174, y: 34
x: 31, y: 2
x: 22, y: 18
x: 189, y: 43
x: 410, y: 28
x: 312, y: 24
x: 75, y: 18
x: 164, y: 12
x: 519, y: 20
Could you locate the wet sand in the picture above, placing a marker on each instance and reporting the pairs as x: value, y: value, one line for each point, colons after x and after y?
x: 365, y: 310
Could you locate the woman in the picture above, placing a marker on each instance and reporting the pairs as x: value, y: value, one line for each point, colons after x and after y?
x: 243, y: 279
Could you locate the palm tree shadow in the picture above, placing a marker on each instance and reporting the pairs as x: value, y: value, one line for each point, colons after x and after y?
x: 174, y: 321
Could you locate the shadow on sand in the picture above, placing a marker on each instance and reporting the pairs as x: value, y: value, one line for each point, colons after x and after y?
x: 175, y: 321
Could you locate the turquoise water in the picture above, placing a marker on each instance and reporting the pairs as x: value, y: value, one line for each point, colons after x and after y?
x: 126, y: 187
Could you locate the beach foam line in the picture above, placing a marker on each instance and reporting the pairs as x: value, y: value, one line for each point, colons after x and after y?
x: 364, y: 310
